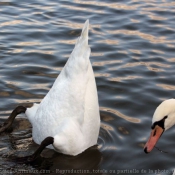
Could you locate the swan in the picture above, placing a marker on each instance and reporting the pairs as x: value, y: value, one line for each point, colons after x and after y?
x: 67, y: 119
x: 163, y: 119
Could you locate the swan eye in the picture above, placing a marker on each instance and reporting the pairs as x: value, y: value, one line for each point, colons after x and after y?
x: 159, y: 123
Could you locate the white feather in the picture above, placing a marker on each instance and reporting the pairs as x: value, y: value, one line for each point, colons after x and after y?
x: 70, y: 110
x: 166, y: 108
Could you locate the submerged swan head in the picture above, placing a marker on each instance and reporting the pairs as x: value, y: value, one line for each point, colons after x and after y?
x: 163, y: 119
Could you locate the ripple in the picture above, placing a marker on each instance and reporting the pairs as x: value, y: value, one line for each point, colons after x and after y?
x: 111, y: 5
x: 81, y: 9
x: 10, y: 23
x: 127, y: 118
x: 145, y: 36
x: 132, y: 45
x: 167, y: 87
x: 119, y: 79
x: 148, y: 65
x: 102, y: 63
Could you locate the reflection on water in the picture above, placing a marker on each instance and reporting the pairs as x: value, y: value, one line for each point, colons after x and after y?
x: 133, y: 48
x: 167, y: 87
x: 87, y: 161
x: 145, y: 36
x: 117, y: 113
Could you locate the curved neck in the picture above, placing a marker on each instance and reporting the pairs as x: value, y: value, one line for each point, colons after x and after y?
x: 15, y: 112
x: 47, y: 141
x: 8, y: 123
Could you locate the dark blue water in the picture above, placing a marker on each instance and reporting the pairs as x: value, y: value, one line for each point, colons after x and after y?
x: 133, y: 57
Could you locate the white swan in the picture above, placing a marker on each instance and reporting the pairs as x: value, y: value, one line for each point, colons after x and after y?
x: 68, y: 116
x: 163, y: 119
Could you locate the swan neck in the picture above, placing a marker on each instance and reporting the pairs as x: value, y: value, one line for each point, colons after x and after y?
x: 47, y: 141
x: 15, y: 112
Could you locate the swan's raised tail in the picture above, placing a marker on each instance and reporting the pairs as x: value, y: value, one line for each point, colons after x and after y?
x: 84, y: 34
x: 81, y: 47
x: 78, y: 61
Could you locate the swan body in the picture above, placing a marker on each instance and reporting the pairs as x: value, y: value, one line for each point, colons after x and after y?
x: 70, y: 110
x: 163, y: 119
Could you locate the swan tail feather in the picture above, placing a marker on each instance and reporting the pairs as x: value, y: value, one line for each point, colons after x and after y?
x: 79, y: 59
x: 84, y: 34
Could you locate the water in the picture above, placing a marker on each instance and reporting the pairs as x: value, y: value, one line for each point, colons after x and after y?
x: 133, y: 48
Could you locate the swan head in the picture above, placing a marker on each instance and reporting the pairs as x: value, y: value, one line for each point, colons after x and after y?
x: 163, y: 119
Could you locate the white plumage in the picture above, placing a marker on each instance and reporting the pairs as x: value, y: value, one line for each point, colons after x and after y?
x: 166, y: 108
x: 163, y: 119
x: 70, y: 110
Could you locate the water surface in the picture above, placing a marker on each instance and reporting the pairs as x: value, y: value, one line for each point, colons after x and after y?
x: 133, y: 57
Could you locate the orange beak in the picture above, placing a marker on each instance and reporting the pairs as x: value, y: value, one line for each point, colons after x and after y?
x: 154, y: 137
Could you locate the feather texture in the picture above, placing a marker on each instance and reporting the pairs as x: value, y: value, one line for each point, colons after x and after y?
x: 70, y: 110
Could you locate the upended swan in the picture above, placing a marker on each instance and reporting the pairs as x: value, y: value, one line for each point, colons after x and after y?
x: 163, y: 119
x: 67, y: 119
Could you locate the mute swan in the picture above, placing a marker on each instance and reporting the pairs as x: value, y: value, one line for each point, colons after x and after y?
x: 67, y: 119
x: 163, y: 119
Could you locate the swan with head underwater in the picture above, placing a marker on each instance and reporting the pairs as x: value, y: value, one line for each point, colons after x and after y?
x: 67, y: 119
x: 163, y: 119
